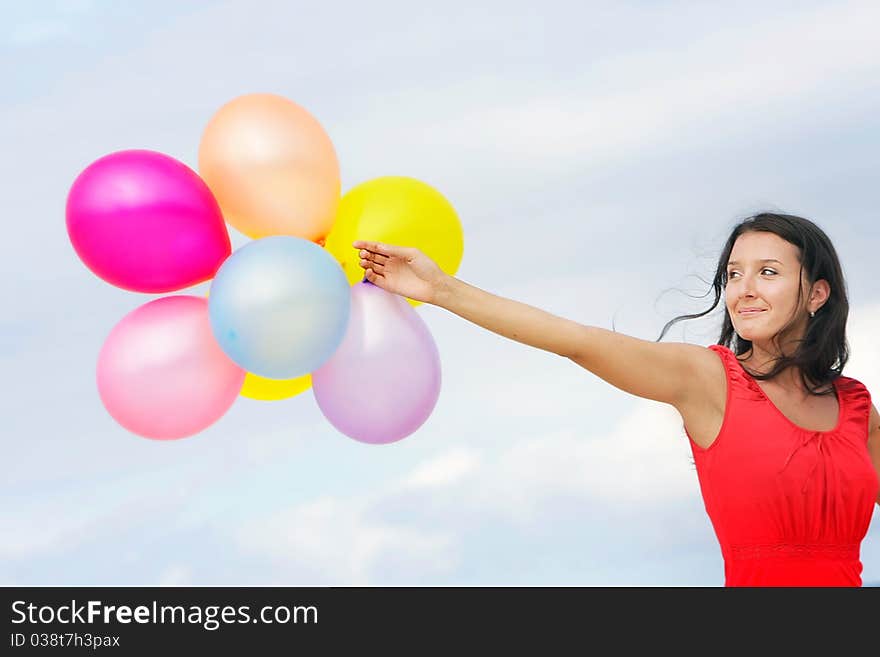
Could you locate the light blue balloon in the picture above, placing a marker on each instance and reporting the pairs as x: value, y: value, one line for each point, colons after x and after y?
x: 279, y: 306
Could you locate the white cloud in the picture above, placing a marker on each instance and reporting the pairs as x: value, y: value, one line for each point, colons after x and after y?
x: 643, y: 461
x: 700, y: 88
x: 422, y: 518
x: 176, y: 575
x: 736, y: 72
x: 336, y: 541
x: 63, y: 519
x: 445, y: 470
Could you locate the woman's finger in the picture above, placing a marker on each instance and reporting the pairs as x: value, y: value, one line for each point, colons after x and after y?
x: 372, y: 276
x: 374, y: 257
x: 373, y: 265
x: 380, y: 248
x: 372, y: 247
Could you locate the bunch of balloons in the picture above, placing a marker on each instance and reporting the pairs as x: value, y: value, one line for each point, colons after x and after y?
x: 287, y: 312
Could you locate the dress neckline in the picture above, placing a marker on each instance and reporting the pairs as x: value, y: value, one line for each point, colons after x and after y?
x: 834, y: 383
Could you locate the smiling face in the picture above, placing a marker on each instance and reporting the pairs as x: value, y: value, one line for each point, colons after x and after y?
x: 763, y: 272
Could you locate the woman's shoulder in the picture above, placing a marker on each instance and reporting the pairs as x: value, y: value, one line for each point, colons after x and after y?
x: 855, y: 392
x: 711, y: 370
x: 722, y: 362
x: 719, y: 374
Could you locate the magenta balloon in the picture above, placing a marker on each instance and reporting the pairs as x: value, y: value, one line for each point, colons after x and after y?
x: 146, y: 222
x: 383, y: 381
x: 161, y: 373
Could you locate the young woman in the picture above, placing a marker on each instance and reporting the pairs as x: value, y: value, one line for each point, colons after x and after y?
x: 787, y: 449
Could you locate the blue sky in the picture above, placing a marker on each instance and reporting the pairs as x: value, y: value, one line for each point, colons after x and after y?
x: 598, y: 154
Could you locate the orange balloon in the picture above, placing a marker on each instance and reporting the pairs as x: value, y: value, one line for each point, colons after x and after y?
x: 272, y: 168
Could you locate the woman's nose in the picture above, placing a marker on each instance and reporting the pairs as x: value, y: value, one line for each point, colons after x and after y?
x: 747, y: 285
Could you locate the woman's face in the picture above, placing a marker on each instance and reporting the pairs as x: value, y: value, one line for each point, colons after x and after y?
x: 763, y: 272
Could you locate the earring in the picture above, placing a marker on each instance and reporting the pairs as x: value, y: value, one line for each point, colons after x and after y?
x: 812, y: 313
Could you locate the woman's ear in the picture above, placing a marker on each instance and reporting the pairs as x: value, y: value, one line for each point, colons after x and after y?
x: 821, y: 292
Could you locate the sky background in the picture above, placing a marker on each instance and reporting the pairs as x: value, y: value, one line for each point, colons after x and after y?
x: 598, y: 155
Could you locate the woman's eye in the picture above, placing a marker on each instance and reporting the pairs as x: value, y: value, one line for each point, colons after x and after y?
x: 730, y: 274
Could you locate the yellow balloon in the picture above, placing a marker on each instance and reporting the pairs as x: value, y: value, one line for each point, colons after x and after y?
x: 258, y: 387
x: 263, y: 389
x: 396, y: 210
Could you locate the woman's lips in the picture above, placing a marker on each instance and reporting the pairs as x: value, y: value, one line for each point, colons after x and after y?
x: 749, y: 313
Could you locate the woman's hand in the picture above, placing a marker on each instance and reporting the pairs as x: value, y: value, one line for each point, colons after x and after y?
x: 401, y: 270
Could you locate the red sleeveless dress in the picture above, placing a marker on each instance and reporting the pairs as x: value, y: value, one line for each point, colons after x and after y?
x: 790, y: 506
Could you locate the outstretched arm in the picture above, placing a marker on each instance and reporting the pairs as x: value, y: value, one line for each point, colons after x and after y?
x: 667, y: 372
x: 512, y: 319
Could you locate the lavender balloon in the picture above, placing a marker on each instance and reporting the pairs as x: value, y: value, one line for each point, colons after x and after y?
x: 383, y: 381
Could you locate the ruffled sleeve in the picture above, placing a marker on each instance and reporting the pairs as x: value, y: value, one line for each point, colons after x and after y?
x: 742, y: 385
x: 855, y: 396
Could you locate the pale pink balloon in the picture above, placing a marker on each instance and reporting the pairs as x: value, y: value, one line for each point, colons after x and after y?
x: 383, y: 381
x: 146, y: 222
x: 161, y: 373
